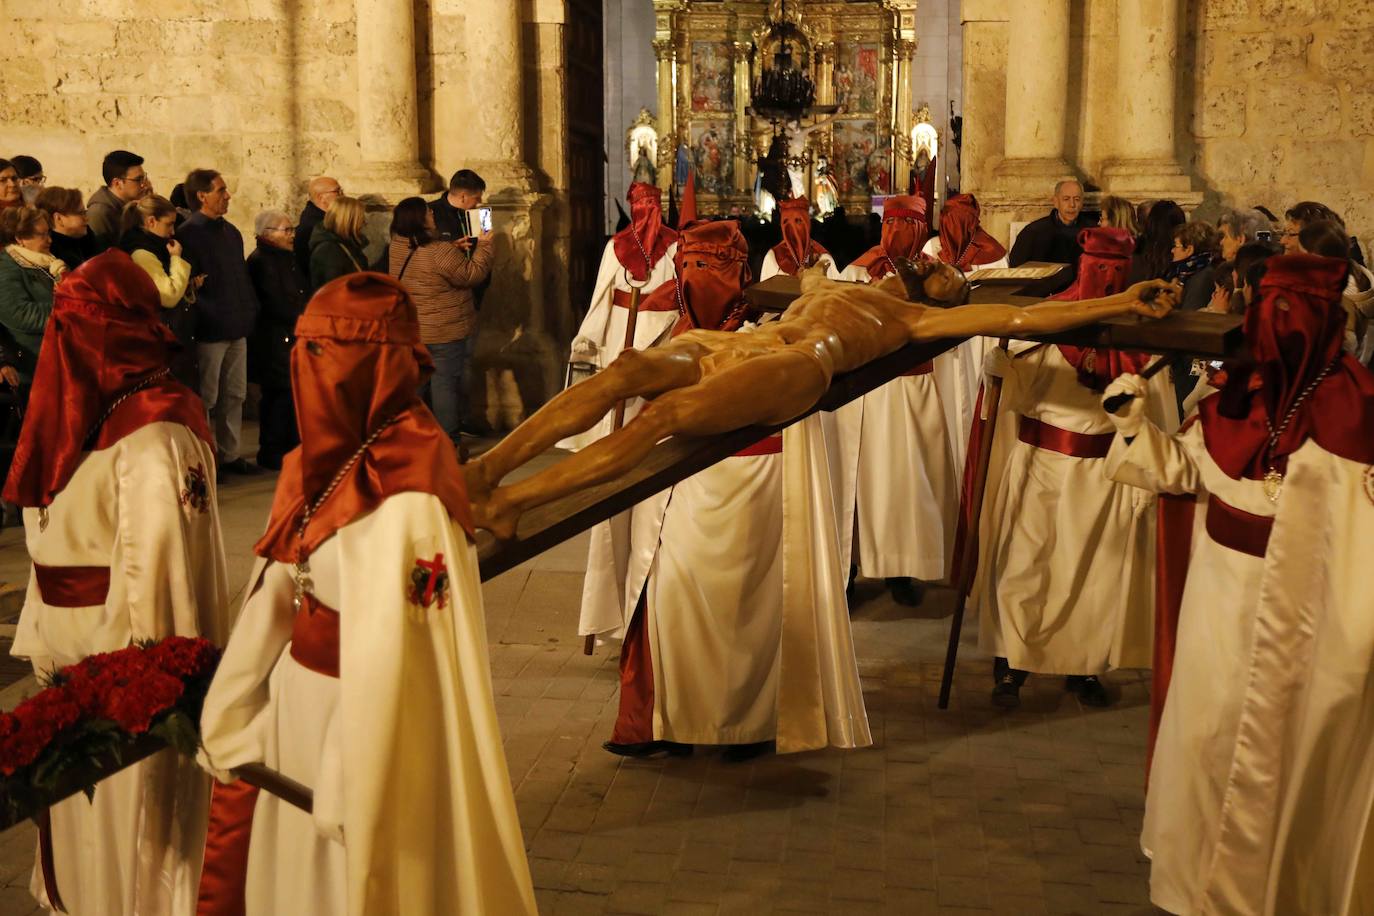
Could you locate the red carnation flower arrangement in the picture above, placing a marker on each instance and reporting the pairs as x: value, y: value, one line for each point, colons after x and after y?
x: 92, y: 713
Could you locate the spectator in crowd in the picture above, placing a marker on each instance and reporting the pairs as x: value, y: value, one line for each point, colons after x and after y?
x: 1154, y: 245
x: 125, y: 180
x: 28, y: 273
x: 1240, y: 226
x: 1193, y: 253
x: 323, y: 191
x: 1054, y: 236
x: 226, y: 310
x: 10, y: 195
x: 336, y: 245
x: 147, y: 228
x: 440, y: 276
x: 1298, y: 216
x: 31, y: 178
x: 465, y: 191
x: 1327, y: 237
x: 1118, y: 213
x: 1249, y: 266
x: 72, y: 241
x: 280, y: 286
x: 1223, y: 298
x: 178, y: 200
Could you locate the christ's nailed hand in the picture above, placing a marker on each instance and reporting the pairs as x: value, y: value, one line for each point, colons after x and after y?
x: 1154, y: 298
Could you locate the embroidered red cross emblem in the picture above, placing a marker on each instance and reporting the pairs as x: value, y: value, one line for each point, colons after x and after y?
x: 436, y: 580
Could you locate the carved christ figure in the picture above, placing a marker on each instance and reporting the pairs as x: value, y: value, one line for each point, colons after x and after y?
x: 705, y: 382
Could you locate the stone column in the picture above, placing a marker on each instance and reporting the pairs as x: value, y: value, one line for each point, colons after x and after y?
x: 388, y: 114
x: 494, y: 124
x: 667, y: 112
x: 1037, y: 94
x: 1146, y: 164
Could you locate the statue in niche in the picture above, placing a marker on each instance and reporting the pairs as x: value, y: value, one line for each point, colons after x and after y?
x: 827, y: 195
x: 645, y: 171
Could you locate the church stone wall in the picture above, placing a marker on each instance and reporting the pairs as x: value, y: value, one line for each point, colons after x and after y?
x: 1283, y: 103
x: 260, y: 89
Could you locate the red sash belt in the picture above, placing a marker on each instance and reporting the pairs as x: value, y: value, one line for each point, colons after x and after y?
x: 72, y: 586
x: 1053, y: 439
x: 315, y: 637
x: 621, y: 300
x: 1238, y: 529
x: 924, y: 368
x: 769, y: 445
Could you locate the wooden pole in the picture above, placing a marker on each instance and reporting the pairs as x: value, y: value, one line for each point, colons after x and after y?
x: 968, y: 555
x: 589, y: 642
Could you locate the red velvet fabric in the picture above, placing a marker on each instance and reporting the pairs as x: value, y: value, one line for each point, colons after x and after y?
x: 357, y: 362
x: 1293, y: 332
x: 315, y: 637
x: 687, y: 213
x: 103, y: 339
x: 224, y: 875
x: 712, y: 264
x: 963, y: 242
x: 1039, y: 434
x: 1102, y: 271
x: 797, y: 250
x: 72, y: 586
x: 634, y: 723
x: 1173, y: 547
x: 646, y: 222
x: 622, y: 298
x: 905, y: 231
x: 1237, y: 529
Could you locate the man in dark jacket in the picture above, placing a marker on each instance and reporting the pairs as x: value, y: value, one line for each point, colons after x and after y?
x: 226, y: 311
x: 125, y: 180
x: 323, y: 191
x: 280, y: 288
x: 1054, y: 237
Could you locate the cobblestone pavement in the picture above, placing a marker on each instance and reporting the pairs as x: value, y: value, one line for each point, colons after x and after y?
x: 964, y: 811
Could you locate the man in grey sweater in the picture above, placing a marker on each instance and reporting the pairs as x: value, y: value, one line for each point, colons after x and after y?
x: 125, y: 181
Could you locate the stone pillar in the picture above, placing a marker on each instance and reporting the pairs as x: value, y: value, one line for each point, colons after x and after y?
x: 667, y: 112
x: 1037, y: 95
x: 1146, y: 164
x: 494, y: 125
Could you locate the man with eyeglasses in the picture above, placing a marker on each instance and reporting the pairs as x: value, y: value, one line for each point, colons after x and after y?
x: 125, y: 181
x: 31, y: 177
x: 323, y: 191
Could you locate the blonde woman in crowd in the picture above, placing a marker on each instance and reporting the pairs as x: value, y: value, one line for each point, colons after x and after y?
x: 336, y: 245
x: 146, y: 229
x: 1118, y: 213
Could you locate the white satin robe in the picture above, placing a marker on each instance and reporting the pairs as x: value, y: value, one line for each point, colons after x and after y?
x: 136, y: 848
x: 621, y: 547
x: 898, y: 473
x: 413, y: 808
x: 1065, y: 581
x: 1262, y: 785
x: 748, y: 625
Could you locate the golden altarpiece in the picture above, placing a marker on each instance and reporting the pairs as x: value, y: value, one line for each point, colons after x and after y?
x: 854, y: 143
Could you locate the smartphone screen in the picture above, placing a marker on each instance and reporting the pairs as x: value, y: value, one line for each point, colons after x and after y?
x: 484, y: 218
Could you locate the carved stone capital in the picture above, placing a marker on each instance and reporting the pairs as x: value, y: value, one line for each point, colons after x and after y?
x: 903, y: 49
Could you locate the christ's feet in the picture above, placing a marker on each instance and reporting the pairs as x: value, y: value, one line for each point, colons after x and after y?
x: 495, y: 513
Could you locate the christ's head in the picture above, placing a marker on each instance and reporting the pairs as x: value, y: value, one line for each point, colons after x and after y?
x: 933, y: 282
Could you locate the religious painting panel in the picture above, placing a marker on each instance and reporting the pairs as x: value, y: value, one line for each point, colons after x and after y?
x: 713, y: 156
x: 858, y: 76
x: 857, y: 157
x: 713, y: 79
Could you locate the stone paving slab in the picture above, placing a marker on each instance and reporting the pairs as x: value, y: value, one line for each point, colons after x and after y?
x: 967, y: 811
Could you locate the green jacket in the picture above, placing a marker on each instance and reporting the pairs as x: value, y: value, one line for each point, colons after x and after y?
x: 331, y: 257
x: 25, y: 302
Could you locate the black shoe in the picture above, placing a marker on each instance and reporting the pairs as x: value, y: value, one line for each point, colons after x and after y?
x: 849, y: 586
x: 739, y: 753
x: 1090, y: 690
x: 241, y: 466
x: 268, y: 463
x: 469, y: 428
x: 1007, y: 693
x: 905, y: 591
x: 649, y: 749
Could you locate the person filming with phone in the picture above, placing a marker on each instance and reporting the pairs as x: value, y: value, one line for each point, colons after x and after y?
x: 441, y: 275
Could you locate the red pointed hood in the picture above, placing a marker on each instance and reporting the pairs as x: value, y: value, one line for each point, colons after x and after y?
x: 646, y: 236
x: 905, y: 231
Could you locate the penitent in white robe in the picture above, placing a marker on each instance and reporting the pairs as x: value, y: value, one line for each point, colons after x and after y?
x: 898, y: 473
x: 145, y: 508
x: 959, y: 372
x: 621, y: 547
x: 1065, y: 581
x: 413, y: 808
x: 747, y: 621
x: 1262, y: 785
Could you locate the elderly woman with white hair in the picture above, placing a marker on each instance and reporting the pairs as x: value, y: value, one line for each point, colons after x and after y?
x: 281, y: 289
x: 1239, y: 227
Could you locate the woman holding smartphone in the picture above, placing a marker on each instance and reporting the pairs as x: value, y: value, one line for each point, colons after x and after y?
x: 440, y: 276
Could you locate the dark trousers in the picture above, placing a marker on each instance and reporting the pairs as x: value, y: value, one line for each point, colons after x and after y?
x: 444, y: 390
x: 277, y: 432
